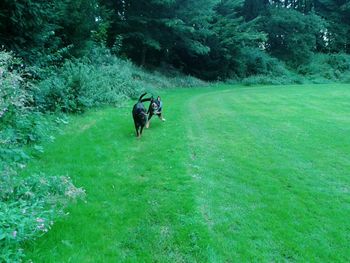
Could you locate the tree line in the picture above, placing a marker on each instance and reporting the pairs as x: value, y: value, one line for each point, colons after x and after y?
x: 210, y: 39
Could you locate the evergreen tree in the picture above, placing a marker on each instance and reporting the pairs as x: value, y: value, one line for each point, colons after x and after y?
x: 229, y: 36
x: 160, y: 28
x: 337, y: 14
x: 28, y: 26
x: 292, y: 36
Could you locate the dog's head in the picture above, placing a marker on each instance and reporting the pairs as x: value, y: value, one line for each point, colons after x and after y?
x: 154, y: 104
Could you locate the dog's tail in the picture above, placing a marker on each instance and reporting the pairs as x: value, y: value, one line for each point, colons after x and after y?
x: 142, y: 96
x: 143, y: 100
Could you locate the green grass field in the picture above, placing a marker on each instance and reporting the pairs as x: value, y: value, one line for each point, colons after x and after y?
x: 234, y: 174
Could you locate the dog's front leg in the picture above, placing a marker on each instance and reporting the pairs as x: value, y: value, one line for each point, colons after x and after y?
x: 148, y: 121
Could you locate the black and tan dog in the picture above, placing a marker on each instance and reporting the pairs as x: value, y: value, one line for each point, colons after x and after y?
x: 155, y: 108
x: 139, y: 114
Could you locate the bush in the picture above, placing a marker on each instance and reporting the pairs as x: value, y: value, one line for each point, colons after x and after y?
x: 29, y: 205
x: 325, y: 68
x: 15, y: 99
x: 28, y: 208
x: 266, y: 70
x: 20, y: 121
x: 99, y: 79
x: 254, y: 61
x: 258, y: 67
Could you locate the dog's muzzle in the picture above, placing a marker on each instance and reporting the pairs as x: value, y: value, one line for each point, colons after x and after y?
x: 154, y: 107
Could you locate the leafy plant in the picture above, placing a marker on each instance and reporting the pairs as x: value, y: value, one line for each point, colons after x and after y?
x: 28, y: 208
x: 100, y: 79
x: 20, y: 121
x: 28, y: 205
x: 325, y: 68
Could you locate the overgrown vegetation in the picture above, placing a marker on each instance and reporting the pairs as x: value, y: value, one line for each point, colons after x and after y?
x: 100, y: 79
x: 28, y: 208
x: 28, y: 205
x: 20, y: 121
x: 325, y: 68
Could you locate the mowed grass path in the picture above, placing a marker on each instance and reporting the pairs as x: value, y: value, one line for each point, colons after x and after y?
x: 234, y: 174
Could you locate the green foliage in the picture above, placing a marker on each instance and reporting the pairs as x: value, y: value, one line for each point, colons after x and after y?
x: 27, y: 205
x: 226, y: 45
x: 254, y: 8
x: 257, y: 67
x: 99, y: 79
x: 325, y: 68
x: 28, y: 208
x: 203, y: 38
x: 337, y: 15
x: 27, y: 26
x: 272, y: 80
x: 292, y: 35
x: 155, y: 31
x: 254, y: 61
x: 47, y: 32
x: 15, y: 98
x: 20, y: 121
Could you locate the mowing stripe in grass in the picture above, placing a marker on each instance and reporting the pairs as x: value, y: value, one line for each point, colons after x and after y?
x: 235, y: 174
x: 140, y: 198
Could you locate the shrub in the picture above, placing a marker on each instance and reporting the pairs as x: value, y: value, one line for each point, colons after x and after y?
x: 28, y: 208
x: 325, y: 68
x: 254, y: 61
x: 15, y: 99
x: 27, y: 205
x: 20, y: 122
x: 99, y: 79
x: 266, y: 70
x: 258, y: 67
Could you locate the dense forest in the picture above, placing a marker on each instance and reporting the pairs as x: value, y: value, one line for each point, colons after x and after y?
x: 209, y: 39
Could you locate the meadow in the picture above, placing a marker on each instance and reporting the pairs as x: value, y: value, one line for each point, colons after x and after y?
x: 235, y: 174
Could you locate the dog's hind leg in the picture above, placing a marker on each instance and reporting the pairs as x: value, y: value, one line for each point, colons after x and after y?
x: 137, y: 130
x: 141, y: 130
